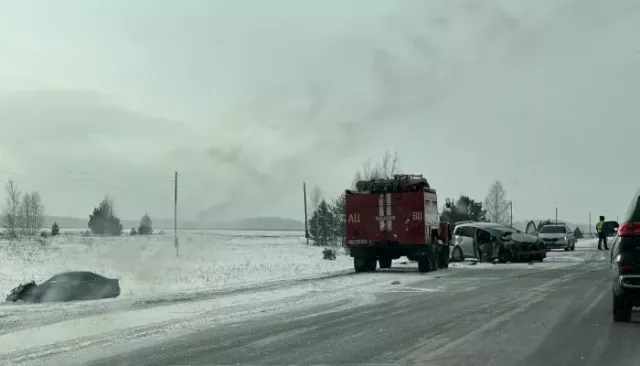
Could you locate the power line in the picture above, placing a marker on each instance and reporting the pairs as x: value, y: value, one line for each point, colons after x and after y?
x: 85, y: 173
x: 98, y: 185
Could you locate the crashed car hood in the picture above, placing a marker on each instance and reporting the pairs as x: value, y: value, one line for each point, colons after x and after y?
x: 16, y: 291
x: 523, y: 238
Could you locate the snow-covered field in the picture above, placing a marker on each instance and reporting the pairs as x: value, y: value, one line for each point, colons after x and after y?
x: 148, y: 266
x: 219, y: 277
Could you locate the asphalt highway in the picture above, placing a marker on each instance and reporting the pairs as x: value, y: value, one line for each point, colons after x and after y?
x: 504, y: 317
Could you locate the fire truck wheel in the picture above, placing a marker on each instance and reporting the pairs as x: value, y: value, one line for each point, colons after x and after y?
x: 424, y: 264
x: 385, y: 262
x: 359, y: 264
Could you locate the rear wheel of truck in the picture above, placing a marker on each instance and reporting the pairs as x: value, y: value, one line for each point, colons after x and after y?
x: 385, y: 262
x: 360, y: 264
x: 424, y: 264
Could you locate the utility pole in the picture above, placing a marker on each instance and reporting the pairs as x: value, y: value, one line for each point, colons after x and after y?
x: 175, y: 213
x: 590, y: 232
x: 511, y: 213
x: 556, y: 215
x: 306, y: 222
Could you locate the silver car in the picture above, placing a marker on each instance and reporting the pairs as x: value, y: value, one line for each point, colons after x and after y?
x: 557, y: 236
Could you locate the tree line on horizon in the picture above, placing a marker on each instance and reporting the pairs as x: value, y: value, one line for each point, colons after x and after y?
x: 23, y: 214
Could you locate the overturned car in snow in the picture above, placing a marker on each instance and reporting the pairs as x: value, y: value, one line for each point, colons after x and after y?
x: 489, y: 242
x: 67, y: 286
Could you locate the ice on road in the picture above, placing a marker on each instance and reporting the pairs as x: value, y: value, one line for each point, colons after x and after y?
x: 85, y: 330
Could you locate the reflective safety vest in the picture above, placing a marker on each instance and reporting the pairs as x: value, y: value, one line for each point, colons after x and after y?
x: 599, y: 226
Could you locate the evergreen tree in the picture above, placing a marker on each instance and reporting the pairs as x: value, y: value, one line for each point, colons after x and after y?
x: 55, y: 229
x: 146, y: 225
x: 103, y: 221
x: 544, y: 223
x: 465, y: 209
x: 339, y: 216
x: 322, y: 225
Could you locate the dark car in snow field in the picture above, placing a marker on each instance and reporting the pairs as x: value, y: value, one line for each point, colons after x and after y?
x: 488, y: 241
x: 67, y: 286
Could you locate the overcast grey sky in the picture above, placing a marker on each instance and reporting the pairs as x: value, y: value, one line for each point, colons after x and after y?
x: 248, y: 98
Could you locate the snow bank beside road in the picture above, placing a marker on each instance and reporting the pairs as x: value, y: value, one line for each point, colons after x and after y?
x: 66, y: 342
x: 148, y: 266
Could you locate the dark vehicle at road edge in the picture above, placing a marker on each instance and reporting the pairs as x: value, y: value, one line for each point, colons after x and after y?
x: 67, y: 286
x: 610, y: 227
x: 625, y: 263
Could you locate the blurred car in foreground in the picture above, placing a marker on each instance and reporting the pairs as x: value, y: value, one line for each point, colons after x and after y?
x: 67, y: 286
x: 625, y: 263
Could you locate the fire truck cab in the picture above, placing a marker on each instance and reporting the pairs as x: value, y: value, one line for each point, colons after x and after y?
x: 391, y: 218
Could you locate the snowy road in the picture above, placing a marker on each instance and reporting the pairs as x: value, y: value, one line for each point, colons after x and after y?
x: 556, y: 315
x: 557, y: 312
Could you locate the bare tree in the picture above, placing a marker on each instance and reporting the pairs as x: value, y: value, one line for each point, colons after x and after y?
x: 370, y: 171
x: 11, y: 210
x: 356, y: 178
x: 496, y: 204
x: 389, y: 165
x: 31, y: 213
x: 387, y: 168
x: 316, y: 199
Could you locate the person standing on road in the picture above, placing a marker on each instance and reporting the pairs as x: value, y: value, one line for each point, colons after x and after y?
x: 602, y: 235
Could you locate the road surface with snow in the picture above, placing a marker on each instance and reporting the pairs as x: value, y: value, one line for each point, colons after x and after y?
x: 555, y: 313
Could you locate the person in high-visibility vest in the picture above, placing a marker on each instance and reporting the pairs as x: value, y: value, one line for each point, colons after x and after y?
x: 602, y: 235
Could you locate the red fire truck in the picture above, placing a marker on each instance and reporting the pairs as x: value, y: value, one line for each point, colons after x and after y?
x: 391, y: 218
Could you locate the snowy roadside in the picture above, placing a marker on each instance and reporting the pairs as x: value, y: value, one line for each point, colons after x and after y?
x: 147, y: 266
x: 134, y: 328
x: 211, y: 265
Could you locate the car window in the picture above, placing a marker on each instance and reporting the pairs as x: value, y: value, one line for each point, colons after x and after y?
x: 462, y: 231
x: 59, y: 278
x: 552, y: 229
x: 483, y: 236
x: 86, y: 276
